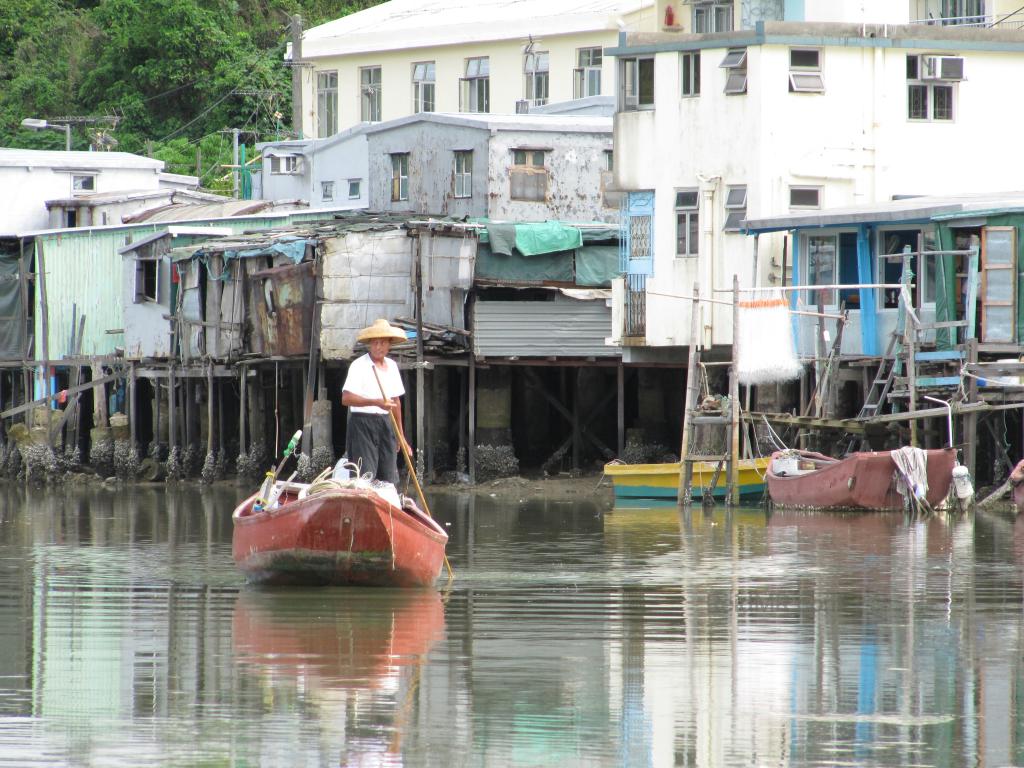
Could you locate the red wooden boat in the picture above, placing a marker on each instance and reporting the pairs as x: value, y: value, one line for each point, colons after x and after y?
x: 337, y: 536
x: 864, y: 480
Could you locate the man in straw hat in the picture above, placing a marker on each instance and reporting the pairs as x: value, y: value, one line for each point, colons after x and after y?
x: 370, y: 437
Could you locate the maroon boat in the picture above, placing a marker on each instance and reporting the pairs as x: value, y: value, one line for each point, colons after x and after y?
x: 863, y: 480
x: 337, y: 536
x: 1017, y: 486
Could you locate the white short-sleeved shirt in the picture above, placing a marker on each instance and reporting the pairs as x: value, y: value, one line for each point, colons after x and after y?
x: 361, y: 381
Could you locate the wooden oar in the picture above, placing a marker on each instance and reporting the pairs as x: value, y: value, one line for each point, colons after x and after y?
x: 401, y: 444
x: 408, y: 463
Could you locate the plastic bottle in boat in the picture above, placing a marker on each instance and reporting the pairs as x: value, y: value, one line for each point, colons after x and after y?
x: 262, y: 498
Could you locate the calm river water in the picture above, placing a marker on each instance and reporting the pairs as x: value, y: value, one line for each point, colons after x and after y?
x: 572, y: 636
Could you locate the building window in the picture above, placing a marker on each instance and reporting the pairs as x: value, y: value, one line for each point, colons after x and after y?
x: 400, y: 177
x: 636, y: 83
x: 586, y: 78
x: 528, y: 178
x: 462, y: 174
x: 689, y: 73
x: 712, y: 17
x: 735, y: 62
x: 354, y: 189
x: 805, y: 197
x: 83, y: 182
x: 475, y: 87
x: 147, y: 280
x: 326, y: 190
x: 931, y: 86
x: 326, y: 104
x: 423, y: 87
x: 821, y: 267
x: 963, y: 12
x: 687, y: 222
x: 284, y: 164
x: 369, y: 94
x: 805, y: 71
x: 735, y: 208
x: 535, y: 68
x: 609, y: 159
x: 892, y: 243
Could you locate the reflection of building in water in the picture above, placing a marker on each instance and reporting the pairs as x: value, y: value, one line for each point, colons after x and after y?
x: 817, y: 639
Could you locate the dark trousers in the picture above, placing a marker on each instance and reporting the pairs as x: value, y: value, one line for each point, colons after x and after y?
x: 370, y: 442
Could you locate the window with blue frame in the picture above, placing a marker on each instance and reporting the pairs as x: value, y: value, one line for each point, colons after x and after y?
x: 892, y: 243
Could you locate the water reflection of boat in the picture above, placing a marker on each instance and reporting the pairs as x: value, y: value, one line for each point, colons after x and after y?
x: 862, y: 480
x: 661, y: 481
x: 867, y: 532
x: 355, y: 639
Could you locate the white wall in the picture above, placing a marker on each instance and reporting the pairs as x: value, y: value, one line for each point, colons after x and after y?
x: 325, y: 160
x: 854, y: 141
x: 506, y: 66
x: 25, y: 190
x: 856, y: 11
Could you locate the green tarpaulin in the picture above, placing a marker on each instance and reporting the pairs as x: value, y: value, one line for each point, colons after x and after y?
x: 12, y: 323
x: 546, y: 237
x: 548, y: 267
x: 596, y: 265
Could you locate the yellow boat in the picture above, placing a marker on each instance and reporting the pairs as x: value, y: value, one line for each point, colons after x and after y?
x: 643, y: 482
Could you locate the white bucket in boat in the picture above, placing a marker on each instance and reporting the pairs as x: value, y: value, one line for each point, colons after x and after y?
x: 786, y: 465
x: 962, y: 485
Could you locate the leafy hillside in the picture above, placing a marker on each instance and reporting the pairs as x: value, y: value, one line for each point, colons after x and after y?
x: 174, y: 73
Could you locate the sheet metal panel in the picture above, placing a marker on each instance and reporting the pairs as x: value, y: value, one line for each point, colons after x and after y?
x: 560, y: 328
x: 84, y: 268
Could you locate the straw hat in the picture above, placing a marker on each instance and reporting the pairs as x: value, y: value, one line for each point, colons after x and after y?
x: 382, y: 329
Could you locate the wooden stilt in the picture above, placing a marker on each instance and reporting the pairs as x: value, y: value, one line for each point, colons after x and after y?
x: 219, y: 388
x: 690, y: 401
x: 243, y: 404
x: 429, y: 446
x: 576, y: 420
x: 132, y: 388
x: 172, y: 410
x: 210, y: 446
x: 463, y: 408
x: 620, y: 383
x: 156, y: 410
x: 970, y: 420
x: 734, y: 401
x: 471, y: 457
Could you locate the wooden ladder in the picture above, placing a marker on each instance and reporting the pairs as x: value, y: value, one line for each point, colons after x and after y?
x: 875, y: 397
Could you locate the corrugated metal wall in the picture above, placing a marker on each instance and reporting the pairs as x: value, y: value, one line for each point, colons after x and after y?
x: 83, y: 268
x: 561, y: 328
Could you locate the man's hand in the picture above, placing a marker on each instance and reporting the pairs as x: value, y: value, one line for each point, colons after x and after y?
x: 405, y: 446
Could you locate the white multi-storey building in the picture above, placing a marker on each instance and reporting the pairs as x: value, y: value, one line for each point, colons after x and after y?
x: 804, y: 110
x: 499, y: 56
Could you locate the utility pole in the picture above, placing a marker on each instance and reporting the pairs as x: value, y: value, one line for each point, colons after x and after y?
x: 236, y: 173
x: 296, y: 23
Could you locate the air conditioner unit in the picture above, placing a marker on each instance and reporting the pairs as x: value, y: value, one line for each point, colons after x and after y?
x: 522, y: 107
x: 942, y: 68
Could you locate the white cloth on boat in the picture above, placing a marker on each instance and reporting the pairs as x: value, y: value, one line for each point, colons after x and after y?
x: 765, y: 349
x: 911, y: 472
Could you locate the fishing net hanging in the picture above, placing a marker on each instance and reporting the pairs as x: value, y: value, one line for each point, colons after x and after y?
x: 765, y: 350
